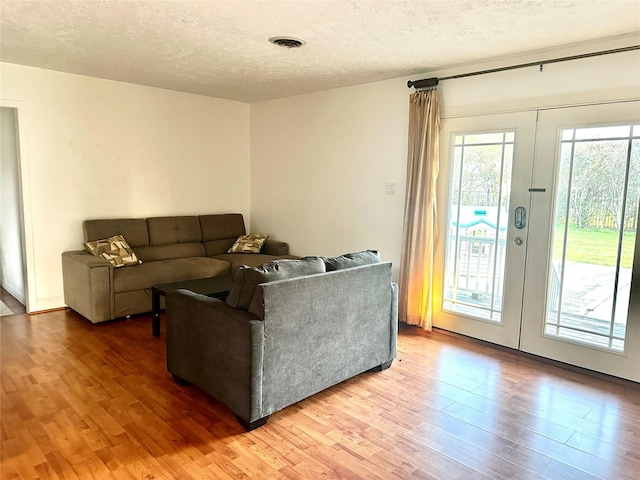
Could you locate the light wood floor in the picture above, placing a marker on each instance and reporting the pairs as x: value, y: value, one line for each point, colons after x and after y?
x: 83, y: 401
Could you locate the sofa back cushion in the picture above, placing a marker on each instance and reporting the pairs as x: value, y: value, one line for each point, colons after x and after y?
x: 245, y: 279
x: 172, y: 237
x: 156, y: 253
x: 350, y: 260
x: 172, y: 230
x: 219, y: 232
x: 134, y: 230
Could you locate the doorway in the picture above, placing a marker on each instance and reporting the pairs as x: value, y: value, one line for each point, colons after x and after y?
x: 538, y: 233
x: 13, y: 265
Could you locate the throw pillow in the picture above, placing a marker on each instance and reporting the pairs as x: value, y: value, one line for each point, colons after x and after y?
x: 350, y: 260
x: 245, y: 278
x: 248, y: 243
x: 114, y: 249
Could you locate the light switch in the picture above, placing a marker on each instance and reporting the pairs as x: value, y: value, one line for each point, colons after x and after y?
x: 391, y: 189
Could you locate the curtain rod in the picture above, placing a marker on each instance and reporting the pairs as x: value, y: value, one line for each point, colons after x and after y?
x: 432, y: 82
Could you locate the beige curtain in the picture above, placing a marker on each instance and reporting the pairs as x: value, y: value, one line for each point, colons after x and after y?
x: 419, y: 232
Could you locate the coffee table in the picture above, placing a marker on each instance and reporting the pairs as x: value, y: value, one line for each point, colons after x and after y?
x: 217, y: 287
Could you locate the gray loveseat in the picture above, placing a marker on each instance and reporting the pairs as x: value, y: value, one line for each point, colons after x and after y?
x: 272, y: 344
x: 171, y: 249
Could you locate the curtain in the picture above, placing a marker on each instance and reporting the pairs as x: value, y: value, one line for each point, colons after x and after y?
x: 419, y: 231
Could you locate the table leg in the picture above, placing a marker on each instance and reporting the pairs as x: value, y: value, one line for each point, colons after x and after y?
x: 155, y: 313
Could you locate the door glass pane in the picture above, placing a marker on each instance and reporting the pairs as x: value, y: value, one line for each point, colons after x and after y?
x: 596, y: 218
x: 477, y: 229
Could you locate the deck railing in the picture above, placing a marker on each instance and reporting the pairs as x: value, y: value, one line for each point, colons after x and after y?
x: 478, y: 259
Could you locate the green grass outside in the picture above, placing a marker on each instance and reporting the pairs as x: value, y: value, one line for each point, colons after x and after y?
x: 599, y: 247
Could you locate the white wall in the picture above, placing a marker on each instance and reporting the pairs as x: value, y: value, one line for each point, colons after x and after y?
x: 99, y: 149
x: 320, y: 165
x: 320, y: 162
x: 12, y: 275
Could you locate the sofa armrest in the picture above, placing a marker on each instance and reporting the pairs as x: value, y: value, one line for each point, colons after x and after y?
x: 274, y: 247
x: 218, y: 348
x: 87, y: 282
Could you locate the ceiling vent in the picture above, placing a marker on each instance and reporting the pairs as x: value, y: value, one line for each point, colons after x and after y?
x: 287, y: 42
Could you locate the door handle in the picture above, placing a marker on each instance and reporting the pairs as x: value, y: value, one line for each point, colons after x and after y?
x: 518, y: 241
x: 520, y: 218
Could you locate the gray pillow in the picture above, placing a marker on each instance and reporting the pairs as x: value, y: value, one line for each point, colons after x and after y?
x: 350, y: 260
x: 245, y: 278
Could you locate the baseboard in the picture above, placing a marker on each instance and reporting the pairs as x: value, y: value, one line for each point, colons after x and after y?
x: 38, y: 312
x: 550, y: 361
x: 48, y: 304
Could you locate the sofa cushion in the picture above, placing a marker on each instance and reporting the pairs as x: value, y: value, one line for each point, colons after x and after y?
x: 167, y: 252
x: 245, y: 279
x: 172, y: 230
x: 248, y: 243
x: 219, y: 232
x: 216, y: 227
x: 115, y: 249
x: 250, y: 259
x: 350, y: 260
x: 133, y: 229
x: 146, y: 275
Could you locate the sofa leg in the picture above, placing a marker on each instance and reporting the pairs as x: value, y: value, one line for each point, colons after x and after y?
x: 382, y: 366
x: 252, y: 425
x: 179, y: 380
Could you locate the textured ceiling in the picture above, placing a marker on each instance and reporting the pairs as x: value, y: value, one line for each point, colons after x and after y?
x: 221, y: 48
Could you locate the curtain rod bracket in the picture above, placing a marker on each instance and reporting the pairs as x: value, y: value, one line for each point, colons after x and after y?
x: 424, y: 83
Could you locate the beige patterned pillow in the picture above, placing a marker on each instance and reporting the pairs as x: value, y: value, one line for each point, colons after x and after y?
x: 248, y: 243
x: 114, y: 249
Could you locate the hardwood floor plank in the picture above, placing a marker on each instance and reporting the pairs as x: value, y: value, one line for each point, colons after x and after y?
x: 221, y: 463
x: 490, y: 442
x: 96, y: 402
x: 558, y: 470
x: 474, y: 456
x: 595, y: 446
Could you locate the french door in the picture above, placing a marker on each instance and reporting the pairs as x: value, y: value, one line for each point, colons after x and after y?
x: 579, y: 306
x: 486, y: 170
x: 538, y: 213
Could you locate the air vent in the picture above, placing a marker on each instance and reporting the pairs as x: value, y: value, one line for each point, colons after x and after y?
x: 287, y: 42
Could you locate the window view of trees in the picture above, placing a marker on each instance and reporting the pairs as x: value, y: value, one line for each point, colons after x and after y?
x: 596, y: 217
x: 597, y: 190
x: 597, y: 181
x: 598, y: 185
x: 481, y: 179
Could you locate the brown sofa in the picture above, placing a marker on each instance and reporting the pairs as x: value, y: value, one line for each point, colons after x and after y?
x: 171, y: 249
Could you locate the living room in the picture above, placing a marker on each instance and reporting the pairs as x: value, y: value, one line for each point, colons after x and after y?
x: 310, y: 169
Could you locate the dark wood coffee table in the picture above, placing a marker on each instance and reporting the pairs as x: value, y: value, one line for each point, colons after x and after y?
x: 217, y: 287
